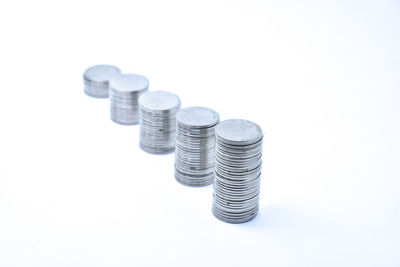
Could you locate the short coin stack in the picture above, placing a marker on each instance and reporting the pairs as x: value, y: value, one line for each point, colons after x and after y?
x: 125, y: 90
x: 237, y: 168
x: 157, y: 112
x: 96, y: 80
x: 194, y: 149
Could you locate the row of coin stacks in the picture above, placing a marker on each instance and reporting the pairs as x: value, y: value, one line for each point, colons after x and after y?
x: 227, y: 154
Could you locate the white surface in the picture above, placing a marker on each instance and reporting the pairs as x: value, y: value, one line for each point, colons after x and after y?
x: 322, y: 78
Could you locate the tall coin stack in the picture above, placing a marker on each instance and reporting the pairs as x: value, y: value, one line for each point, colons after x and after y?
x: 237, y: 168
x: 125, y: 90
x: 195, y: 143
x: 157, y: 112
x: 96, y: 80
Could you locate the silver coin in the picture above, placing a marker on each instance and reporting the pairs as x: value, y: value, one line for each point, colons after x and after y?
x: 238, y: 132
x: 237, y: 170
x: 195, y: 146
x: 160, y: 101
x: 197, y: 117
x: 157, y: 111
x: 125, y: 91
x: 96, y: 80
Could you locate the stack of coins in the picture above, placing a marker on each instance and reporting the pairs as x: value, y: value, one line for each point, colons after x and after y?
x: 96, y: 80
x: 157, y: 111
x: 237, y: 170
x: 194, y: 148
x: 125, y: 90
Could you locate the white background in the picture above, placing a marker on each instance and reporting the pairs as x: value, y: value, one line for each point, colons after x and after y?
x: 322, y: 78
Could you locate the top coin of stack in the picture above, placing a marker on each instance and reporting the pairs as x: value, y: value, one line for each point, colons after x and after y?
x: 125, y: 90
x: 238, y: 153
x: 157, y: 112
x: 194, y: 149
x: 96, y: 80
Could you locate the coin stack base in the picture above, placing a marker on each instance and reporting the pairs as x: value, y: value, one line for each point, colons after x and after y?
x: 155, y: 151
x: 194, y: 149
x: 157, y: 112
x: 237, y: 169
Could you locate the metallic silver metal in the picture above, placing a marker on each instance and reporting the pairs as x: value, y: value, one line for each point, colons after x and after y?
x: 157, y: 122
x: 96, y: 80
x: 194, y: 148
x: 237, y: 170
x: 125, y: 91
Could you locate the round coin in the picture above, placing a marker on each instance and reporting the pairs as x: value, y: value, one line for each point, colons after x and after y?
x: 157, y: 111
x: 125, y: 91
x: 195, y: 144
x: 237, y: 170
x: 96, y: 80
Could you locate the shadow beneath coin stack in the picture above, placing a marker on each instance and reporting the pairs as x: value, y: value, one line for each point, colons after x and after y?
x: 285, y: 217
